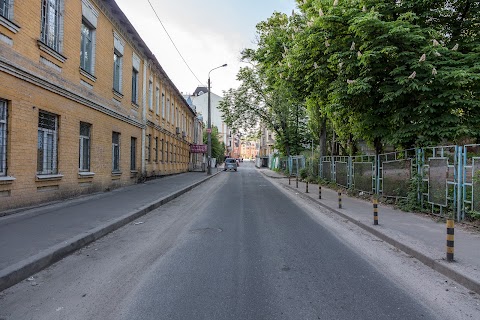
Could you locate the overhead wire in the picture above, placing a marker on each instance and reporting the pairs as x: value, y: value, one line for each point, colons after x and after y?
x: 178, y: 51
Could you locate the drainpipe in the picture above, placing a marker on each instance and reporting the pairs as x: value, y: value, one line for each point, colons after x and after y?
x: 144, y: 114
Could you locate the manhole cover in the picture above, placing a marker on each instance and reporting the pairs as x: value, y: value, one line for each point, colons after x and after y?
x: 206, y: 230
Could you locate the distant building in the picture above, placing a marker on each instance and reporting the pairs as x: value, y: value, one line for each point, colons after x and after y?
x: 199, y: 99
x: 267, y: 142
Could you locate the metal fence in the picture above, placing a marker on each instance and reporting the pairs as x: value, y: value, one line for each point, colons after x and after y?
x: 446, y: 179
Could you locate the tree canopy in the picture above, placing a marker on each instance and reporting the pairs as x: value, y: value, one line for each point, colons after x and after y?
x: 401, y: 73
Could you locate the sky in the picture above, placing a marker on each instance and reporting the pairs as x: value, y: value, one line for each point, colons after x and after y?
x: 207, y: 33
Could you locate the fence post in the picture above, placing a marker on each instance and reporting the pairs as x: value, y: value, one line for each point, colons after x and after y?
x: 289, y: 179
x: 319, y: 191
x: 450, y: 238
x: 339, y: 199
x: 375, y: 211
x: 306, y: 187
x: 296, y: 180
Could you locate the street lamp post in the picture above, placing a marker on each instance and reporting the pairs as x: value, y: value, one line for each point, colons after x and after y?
x: 209, y: 126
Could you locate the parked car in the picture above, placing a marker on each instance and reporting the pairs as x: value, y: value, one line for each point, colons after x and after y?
x: 230, y: 164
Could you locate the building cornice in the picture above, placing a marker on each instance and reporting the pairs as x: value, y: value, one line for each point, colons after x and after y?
x: 27, y: 76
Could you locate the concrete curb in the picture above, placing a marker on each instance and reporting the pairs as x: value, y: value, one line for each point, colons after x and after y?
x: 27, y: 267
x: 439, y: 266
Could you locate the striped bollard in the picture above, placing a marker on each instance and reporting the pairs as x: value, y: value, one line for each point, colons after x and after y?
x: 450, y: 239
x: 306, y: 187
x: 339, y: 199
x: 375, y: 211
x: 296, y: 180
x: 319, y: 191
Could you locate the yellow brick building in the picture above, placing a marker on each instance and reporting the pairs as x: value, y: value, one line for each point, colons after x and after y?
x: 75, y: 123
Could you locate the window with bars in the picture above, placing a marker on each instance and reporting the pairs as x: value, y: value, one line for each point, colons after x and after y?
x: 47, y: 143
x: 133, y: 153
x: 3, y: 138
x: 52, y: 23
x: 86, y: 49
x: 117, y: 71
x: 148, y: 147
x: 166, y: 152
x: 84, y: 147
x: 115, y: 151
x: 161, y: 152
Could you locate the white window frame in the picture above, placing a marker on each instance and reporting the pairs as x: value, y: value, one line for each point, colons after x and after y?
x: 119, y: 45
x: 6, y: 7
x: 49, y: 164
x: 3, y: 137
x: 87, y: 55
x: 117, y: 71
x: 52, y: 24
x: 168, y: 109
x: 150, y: 94
x: 115, y: 151
x: 135, y: 86
x: 163, y: 104
x: 84, y: 139
x: 157, y: 100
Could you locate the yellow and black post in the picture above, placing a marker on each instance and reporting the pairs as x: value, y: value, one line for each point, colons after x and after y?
x: 319, y: 191
x: 450, y: 239
x: 306, y: 187
x: 339, y: 199
x: 375, y: 211
x: 296, y: 180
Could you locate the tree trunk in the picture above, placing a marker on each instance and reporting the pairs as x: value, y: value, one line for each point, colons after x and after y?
x: 378, y: 146
x: 323, y: 138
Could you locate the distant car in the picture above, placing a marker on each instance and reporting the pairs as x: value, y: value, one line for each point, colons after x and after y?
x: 230, y: 164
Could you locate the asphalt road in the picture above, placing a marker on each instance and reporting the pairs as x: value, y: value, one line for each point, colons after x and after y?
x: 237, y: 247
x: 253, y: 254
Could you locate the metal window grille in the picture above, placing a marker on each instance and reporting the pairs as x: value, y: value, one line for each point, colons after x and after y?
x: 134, y: 86
x: 161, y: 153
x: 84, y: 147
x: 51, y: 23
x: 133, y: 153
x: 166, y: 152
x: 3, y: 138
x: 47, y: 143
x: 4, y: 8
x: 86, y: 47
x: 117, y: 66
x: 115, y: 151
x: 148, y: 146
x: 156, y: 149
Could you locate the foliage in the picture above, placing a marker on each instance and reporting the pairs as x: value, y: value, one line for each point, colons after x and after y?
x: 303, y: 173
x: 218, y: 148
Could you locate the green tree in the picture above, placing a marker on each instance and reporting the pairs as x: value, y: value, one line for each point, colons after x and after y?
x: 218, y: 147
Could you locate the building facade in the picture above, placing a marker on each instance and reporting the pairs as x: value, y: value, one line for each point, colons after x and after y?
x: 75, y: 123
x: 199, y: 99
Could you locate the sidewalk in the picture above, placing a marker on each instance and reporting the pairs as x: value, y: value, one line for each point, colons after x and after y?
x: 33, y: 239
x: 417, y: 235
